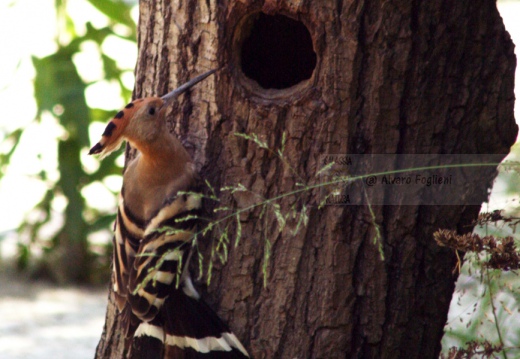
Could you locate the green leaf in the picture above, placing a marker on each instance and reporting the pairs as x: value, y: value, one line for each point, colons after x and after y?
x: 14, y: 139
x: 101, y: 115
x: 325, y: 168
x: 179, y: 270
x: 116, y: 10
x: 267, y: 256
x: 186, y: 218
x: 57, y: 83
x: 102, y: 222
x: 112, y: 72
x: 279, y: 217
x: 96, y: 35
x: 210, y: 269
x: 201, y: 264
x: 303, y: 219
x: 239, y: 230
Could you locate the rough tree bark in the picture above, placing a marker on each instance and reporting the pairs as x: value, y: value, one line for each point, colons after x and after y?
x: 390, y: 77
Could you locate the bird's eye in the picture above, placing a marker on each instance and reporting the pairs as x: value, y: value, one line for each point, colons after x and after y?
x: 151, y: 111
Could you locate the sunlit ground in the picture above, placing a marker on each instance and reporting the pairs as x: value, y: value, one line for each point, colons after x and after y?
x: 41, y: 321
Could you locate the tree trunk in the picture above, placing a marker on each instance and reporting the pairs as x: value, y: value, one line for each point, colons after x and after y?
x: 392, y: 77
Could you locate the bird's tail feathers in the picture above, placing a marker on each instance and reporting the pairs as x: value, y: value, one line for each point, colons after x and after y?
x: 186, y: 327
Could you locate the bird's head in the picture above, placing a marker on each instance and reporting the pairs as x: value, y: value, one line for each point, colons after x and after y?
x: 140, y: 121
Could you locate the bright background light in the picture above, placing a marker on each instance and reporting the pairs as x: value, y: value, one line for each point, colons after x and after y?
x: 20, y: 191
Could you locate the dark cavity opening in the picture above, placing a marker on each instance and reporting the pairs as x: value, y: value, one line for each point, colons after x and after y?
x: 278, y: 52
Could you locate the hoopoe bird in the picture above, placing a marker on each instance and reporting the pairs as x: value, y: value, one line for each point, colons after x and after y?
x: 160, y: 319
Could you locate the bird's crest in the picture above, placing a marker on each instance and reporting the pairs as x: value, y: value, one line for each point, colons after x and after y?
x: 112, y: 137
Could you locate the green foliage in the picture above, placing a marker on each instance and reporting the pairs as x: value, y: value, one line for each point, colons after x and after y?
x: 59, y: 91
x: 116, y: 10
x: 12, y: 139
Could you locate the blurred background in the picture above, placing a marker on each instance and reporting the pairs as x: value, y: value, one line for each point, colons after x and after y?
x: 61, y: 79
x: 66, y: 68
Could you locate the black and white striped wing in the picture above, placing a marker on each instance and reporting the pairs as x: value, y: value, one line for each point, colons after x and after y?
x: 167, y: 321
x: 128, y: 234
x: 160, y: 253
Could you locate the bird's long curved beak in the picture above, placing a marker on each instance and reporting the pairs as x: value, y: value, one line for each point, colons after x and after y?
x: 171, y: 95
